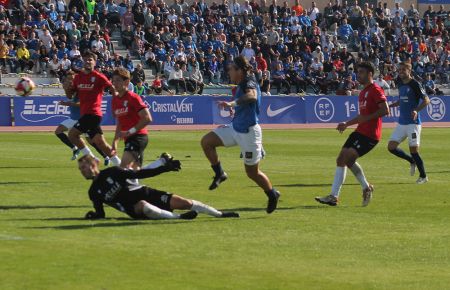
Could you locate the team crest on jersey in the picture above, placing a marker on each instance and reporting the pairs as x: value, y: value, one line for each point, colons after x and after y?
x: 109, y: 180
x: 366, y: 94
x: 125, y: 103
x: 92, y: 79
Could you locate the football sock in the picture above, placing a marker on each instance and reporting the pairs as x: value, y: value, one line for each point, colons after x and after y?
x: 86, y: 151
x: 206, y: 209
x: 115, y: 160
x: 63, y: 137
x: 98, y: 150
x: 419, y: 164
x: 154, y: 212
x: 155, y: 164
x: 339, y: 178
x: 217, y: 169
x: 359, y: 174
x: 401, y: 154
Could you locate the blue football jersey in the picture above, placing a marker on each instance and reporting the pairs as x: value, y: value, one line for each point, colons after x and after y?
x: 74, y: 111
x: 246, y: 115
x: 410, y: 95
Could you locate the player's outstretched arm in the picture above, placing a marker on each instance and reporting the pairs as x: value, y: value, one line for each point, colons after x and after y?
x: 171, y: 165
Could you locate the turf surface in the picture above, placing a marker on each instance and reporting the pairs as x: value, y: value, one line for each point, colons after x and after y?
x: 401, y: 241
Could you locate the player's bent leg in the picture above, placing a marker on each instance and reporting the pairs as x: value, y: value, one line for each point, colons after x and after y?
x: 60, y: 133
x: 209, y: 144
x: 129, y: 160
x: 100, y: 141
x: 75, y: 138
x: 393, y: 148
x: 105, y: 157
x: 263, y: 181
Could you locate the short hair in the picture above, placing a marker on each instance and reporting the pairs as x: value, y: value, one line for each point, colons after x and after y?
x: 87, y: 158
x: 406, y: 64
x: 122, y: 72
x: 89, y: 53
x: 368, y: 66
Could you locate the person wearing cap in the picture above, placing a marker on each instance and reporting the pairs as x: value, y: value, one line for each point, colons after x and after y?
x: 244, y: 131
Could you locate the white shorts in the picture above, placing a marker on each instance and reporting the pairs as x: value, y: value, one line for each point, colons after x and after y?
x: 69, y: 123
x: 250, y: 143
x: 410, y: 131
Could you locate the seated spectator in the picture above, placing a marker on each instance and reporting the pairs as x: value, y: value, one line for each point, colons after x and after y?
x: 140, y: 88
x: 196, y: 79
x: 23, y: 56
x: 138, y: 74
x: 280, y: 81
x: 346, y: 87
x: 430, y: 86
x: 176, y: 79
x: 345, y: 31
x: 157, y: 85
x: 383, y: 84
x: 212, y: 70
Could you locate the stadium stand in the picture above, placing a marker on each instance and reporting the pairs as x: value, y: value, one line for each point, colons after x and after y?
x: 185, y: 47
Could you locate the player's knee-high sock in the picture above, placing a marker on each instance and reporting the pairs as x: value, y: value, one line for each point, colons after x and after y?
x: 99, y: 151
x: 154, y: 212
x: 206, y: 209
x: 419, y: 164
x: 339, y: 178
x: 401, y: 154
x: 115, y: 160
x: 155, y: 164
x: 217, y: 169
x: 86, y: 151
x: 63, y: 137
x: 359, y: 174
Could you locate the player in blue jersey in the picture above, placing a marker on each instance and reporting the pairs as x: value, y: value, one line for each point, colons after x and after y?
x: 67, y: 124
x: 412, y: 99
x: 243, y: 131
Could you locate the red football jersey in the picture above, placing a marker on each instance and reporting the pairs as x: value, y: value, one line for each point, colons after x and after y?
x: 369, y: 98
x: 89, y: 88
x: 126, y: 110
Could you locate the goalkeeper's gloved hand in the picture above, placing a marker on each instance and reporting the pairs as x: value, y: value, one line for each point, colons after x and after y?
x: 173, y: 165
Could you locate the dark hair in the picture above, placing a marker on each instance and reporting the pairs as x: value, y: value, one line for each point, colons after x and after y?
x: 242, y: 63
x: 89, y: 53
x: 368, y: 66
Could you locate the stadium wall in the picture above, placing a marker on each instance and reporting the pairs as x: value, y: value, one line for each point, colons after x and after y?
x: 203, y: 110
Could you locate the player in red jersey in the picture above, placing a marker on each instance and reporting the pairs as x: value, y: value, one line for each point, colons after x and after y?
x: 372, y: 107
x: 89, y: 86
x: 132, y: 117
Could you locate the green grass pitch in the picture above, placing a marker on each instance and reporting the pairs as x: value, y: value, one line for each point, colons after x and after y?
x: 401, y: 241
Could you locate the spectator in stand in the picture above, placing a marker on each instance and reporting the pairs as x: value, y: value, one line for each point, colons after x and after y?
x: 176, y: 79
x: 383, y: 84
x: 280, y: 81
x: 23, y: 56
x: 346, y: 87
x: 196, y: 79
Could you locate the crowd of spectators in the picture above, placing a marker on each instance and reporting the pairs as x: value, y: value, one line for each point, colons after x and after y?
x: 188, y: 44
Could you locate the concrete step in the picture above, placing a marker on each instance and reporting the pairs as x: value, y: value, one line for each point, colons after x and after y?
x: 38, y: 79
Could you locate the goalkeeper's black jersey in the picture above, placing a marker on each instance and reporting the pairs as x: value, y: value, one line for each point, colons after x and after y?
x: 114, y: 186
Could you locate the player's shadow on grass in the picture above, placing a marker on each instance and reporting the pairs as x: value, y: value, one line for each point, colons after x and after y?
x: 253, y: 209
x: 129, y: 222
x: 22, y: 182
x: 27, y: 207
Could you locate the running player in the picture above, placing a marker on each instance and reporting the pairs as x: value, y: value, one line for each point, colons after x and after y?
x: 244, y: 131
x: 74, y: 108
x: 132, y: 117
x: 112, y: 186
x: 89, y: 86
x: 409, y: 125
x: 372, y: 107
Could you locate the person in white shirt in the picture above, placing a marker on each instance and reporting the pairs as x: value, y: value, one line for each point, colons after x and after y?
x: 313, y: 11
x: 316, y: 65
x: 176, y: 79
x: 65, y: 63
x: 74, y: 52
x: 246, y: 8
x: 295, y: 27
x: 235, y: 8
x: 317, y: 53
x: 248, y: 51
x: 47, y: 39
x: 398, y: 9
x: 383, y: 84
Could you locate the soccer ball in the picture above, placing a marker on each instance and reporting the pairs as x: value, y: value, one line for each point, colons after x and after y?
x: 24, y: 86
